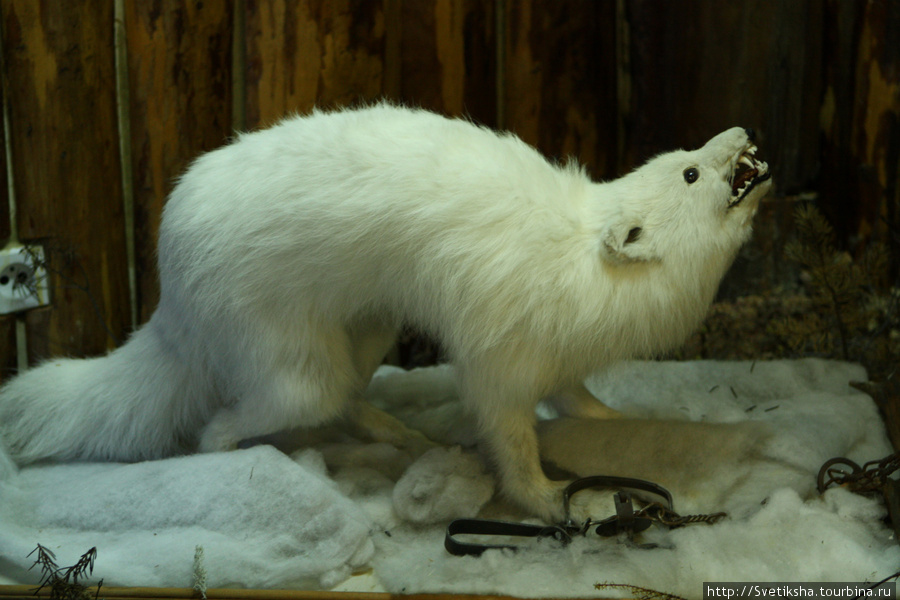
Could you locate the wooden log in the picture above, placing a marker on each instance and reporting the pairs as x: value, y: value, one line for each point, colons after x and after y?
x: 180, y: 89
x: 60, y: 69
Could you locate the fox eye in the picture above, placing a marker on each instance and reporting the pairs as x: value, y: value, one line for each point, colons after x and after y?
x: 691, y: 174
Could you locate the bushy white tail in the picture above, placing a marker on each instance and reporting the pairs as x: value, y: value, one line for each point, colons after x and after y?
x: 124, y: 406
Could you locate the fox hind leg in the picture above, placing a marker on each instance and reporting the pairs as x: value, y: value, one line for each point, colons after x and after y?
x: 312, y: 383
x: 288, y: 383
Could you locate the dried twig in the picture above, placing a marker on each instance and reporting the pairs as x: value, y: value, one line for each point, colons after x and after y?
x: 63, y: 581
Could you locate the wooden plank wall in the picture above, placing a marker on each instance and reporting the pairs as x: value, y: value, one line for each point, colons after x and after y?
x: 60, y: 77
x: 180, y: 104
x: 98, y: 131
x: 860, y: 116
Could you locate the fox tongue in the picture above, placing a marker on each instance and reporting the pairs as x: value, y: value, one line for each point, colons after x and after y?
x: 742, y: 174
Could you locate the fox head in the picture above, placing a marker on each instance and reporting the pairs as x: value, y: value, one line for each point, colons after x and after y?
x: 684, y: 203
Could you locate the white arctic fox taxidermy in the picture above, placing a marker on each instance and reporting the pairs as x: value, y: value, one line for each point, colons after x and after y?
x: 289, y: 259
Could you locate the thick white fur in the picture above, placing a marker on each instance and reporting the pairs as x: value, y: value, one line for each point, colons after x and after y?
x: 289, y: 259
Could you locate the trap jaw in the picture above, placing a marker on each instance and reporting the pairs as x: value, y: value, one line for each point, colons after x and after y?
x: 627, y: 521
x: 871, y: 478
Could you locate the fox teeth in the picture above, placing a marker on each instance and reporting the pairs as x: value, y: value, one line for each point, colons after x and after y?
x: 750, y: 171
x: 740, y: 191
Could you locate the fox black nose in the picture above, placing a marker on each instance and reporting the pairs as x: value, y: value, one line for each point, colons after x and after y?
x: 751, y: 134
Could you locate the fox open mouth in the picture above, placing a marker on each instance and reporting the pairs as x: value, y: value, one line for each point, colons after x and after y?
x: 748, y: 172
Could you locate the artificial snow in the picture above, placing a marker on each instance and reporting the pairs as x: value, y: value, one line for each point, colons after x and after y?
x: 326, y: 511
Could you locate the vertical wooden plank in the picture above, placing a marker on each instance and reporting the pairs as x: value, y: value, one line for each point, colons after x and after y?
x: 448, y: 57
x: 5, y: 226
x: 60, y: 68
x: 701, y: 66
x: 560, y: 79
x: 861, y: 120
x: 180, y: 68
x: 309, y: 53
x: 393, y: 30
x: 8, y: 350
x: 840, y: 173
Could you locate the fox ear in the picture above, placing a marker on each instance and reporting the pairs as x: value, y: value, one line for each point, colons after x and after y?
x: 626, y: 243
